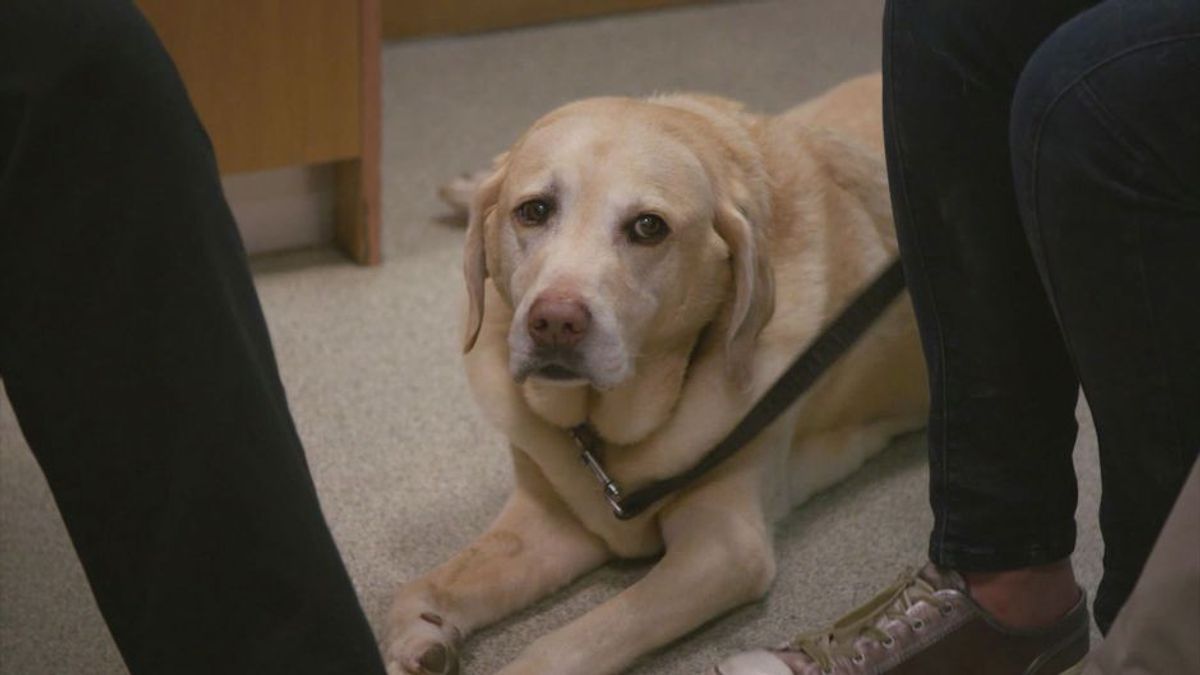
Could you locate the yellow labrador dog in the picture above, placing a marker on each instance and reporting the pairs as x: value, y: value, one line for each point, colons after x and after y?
x: 651, y: 267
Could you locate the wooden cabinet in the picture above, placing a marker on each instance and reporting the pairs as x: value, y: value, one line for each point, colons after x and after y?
x: 284, y: 83
x: 408, y: 18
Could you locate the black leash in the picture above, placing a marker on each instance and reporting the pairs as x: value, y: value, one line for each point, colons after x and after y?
x: 804, y: 372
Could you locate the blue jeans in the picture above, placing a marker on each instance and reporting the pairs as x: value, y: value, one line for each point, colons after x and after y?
x: 1044, y: 158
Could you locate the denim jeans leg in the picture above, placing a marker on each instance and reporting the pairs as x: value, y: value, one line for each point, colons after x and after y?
x: 1106, y: 155
x: 1002, y: 425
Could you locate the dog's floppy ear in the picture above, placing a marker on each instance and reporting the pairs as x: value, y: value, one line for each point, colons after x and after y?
x: 483, y: 204
x: 753, y: 283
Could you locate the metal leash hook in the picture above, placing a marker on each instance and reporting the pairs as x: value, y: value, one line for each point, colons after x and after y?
x: 588, y: 442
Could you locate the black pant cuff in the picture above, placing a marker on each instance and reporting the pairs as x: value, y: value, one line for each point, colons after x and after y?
x: 964, y: 557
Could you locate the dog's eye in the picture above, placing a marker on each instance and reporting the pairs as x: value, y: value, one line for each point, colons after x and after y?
x: 533, y: 212
x: 648, y: 229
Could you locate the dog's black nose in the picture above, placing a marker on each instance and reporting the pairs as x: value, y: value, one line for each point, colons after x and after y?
x: 558, y: 321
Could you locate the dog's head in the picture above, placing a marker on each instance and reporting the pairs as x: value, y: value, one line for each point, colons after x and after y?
x: 617, y: 229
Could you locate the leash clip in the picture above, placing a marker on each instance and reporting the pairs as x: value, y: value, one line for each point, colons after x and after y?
x: 589, y: 442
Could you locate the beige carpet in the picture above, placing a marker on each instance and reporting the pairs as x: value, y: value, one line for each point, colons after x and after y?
x: 406, y: 469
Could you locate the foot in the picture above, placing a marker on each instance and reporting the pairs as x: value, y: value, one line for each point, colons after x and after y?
x: 926, y: 622
x: 1030, y: 597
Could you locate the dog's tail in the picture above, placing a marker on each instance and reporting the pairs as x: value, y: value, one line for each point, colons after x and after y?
x: 457, y: 192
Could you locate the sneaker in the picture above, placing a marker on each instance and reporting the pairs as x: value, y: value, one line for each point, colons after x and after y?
x: 924, y: 624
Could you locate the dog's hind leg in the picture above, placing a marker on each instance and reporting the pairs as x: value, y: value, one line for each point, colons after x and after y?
x: 534, y: 547
x: 820, y: 461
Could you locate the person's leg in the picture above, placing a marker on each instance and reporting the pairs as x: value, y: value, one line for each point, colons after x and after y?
x: 1003, y: 393
x: 1000, y: 597
x: 1106, y: 153
x: 135, y: 354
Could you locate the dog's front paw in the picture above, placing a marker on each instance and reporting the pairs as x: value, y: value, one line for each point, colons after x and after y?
x: 422, y: 644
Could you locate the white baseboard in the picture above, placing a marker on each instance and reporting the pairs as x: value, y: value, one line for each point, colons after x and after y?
x: 283, y: 208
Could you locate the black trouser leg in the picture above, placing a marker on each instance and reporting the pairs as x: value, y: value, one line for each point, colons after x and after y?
x: 1106, y: 154
x: 1002, y: 424
x: 135, y: 355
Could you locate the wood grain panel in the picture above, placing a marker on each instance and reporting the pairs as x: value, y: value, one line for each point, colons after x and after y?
x: 409, y: 18
x: 358, y: 182
x: 276, y: 82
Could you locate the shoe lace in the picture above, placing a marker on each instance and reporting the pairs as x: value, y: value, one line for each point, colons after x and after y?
x: 826, y: 646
